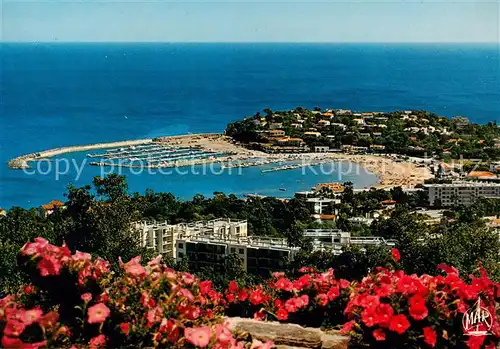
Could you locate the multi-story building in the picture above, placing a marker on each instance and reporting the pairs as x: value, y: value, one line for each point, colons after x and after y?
x: 161, y: 236
x: 321, y: 205
x: 259, y: 255
x: 338, y: 238
x: 208, y: 243
x: 464, y: 193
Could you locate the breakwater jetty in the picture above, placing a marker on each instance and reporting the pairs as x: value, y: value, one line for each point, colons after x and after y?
x: 23, y: 161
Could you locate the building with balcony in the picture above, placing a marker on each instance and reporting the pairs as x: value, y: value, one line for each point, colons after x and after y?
x: 162, y: 237
x: 460, y: 193
x: 260, y: 255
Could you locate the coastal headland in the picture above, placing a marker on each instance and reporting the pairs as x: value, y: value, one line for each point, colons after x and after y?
x: 197, y: 149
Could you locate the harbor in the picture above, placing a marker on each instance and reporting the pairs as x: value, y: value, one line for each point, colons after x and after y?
x: 295, y: 166
x: 155, y: 155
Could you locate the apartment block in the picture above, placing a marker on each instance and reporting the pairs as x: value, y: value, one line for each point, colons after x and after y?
x: 464, y: 193
x: 260, y: 255
x: 162, y: 237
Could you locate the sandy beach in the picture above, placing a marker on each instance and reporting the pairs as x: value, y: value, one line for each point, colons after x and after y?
x: 390, y: 173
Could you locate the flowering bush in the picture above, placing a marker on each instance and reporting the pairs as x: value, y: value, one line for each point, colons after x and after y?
x: 390, y: 309
x: 77, y: 301
x: 314, y: 299
x: 86, y: 303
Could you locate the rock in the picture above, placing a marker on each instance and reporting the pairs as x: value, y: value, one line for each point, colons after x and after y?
x: 288, y: 336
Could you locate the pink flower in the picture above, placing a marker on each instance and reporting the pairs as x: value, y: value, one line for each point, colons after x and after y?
x: 49, y: 265
x: 98, y: 342
x: 31, y: 316
x: 86, y: 297
x: 199, y: 336
x: 256, y: 344
x: 81, y: 256
x: 98, y: 313
x: 223, y: 334
x: 184, y: 292
x: 187, y: 278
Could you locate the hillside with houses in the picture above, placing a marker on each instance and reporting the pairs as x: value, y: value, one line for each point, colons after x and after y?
x: 410, y: 132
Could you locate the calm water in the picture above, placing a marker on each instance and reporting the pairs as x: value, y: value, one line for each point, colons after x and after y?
x: 64, y: 94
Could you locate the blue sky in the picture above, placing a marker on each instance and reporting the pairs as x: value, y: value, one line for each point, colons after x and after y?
x: 251, y: 21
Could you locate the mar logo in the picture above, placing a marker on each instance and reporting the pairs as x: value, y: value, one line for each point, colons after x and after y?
x: 477, y: 321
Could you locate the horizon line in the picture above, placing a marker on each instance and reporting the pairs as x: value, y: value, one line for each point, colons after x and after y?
x: 249, y: 42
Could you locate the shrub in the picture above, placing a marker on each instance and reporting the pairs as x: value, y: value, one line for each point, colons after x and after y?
x: 75, y: 300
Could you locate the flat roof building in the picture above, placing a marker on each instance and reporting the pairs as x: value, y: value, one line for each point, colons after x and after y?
x: 464, y: 193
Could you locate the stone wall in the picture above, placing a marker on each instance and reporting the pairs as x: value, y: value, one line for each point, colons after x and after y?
x: 286, y: 336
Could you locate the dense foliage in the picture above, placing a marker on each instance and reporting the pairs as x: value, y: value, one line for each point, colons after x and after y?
x: 412, y: 133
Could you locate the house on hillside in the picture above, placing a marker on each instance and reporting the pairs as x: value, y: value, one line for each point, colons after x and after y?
x: 312, y: 134
x: 52, y: 206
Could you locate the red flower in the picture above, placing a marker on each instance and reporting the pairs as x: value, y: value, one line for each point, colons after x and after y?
x: 284, y: 284
x: 282, y: 314
x: 344, y: 283
x: 430, y: 336
x: 369, y: 317
x: 98, y: 313
x: 125, y: 328
x: 233, y: 286
x: 257, y: 297
x: 333, y: 293
x: 418, y: 310
x: 322, y: 299
x: 399, y: 324
x: 406, y: 285
x: 242, y: 295
x: 379, y: 334
x: 384, y: 314
x: 369, y: 301
x: 475, y: 342
x: 205, y: 286
x: 417, y: 301
x: 395, y: 254
x: 348, y: 326
x: 419, y: 313
x: 29, y: 289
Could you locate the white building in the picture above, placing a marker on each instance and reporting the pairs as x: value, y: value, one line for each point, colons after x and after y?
x: 260, y: 255
x: 464, y: 193
x: 321, y: 149
x: 322, y: 205
x: 162, y: 237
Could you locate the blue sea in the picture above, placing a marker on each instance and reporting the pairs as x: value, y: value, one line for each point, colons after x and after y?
x: 56, y: 95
